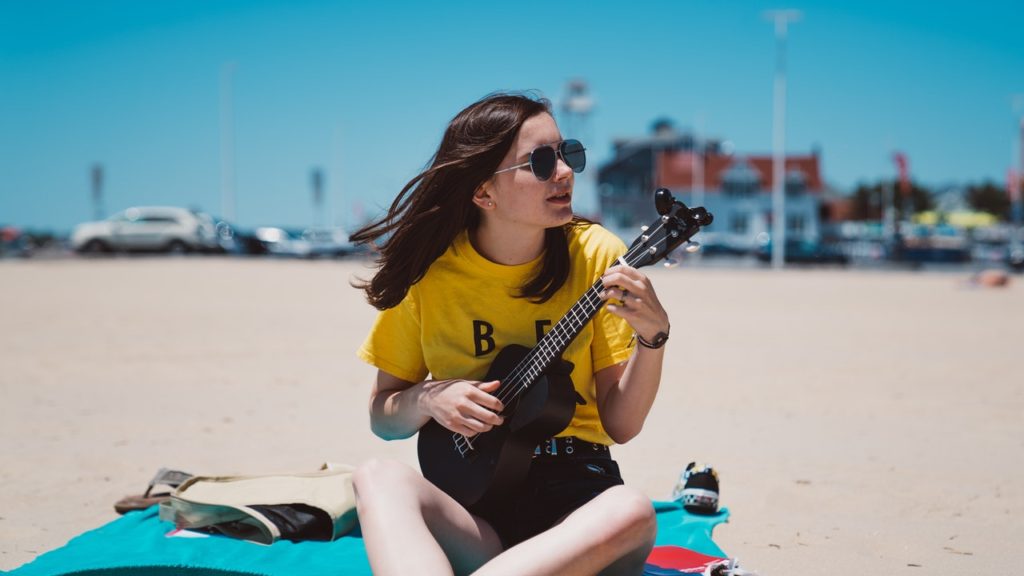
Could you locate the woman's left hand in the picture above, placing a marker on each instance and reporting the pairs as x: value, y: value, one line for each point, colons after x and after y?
x: 637, y: 303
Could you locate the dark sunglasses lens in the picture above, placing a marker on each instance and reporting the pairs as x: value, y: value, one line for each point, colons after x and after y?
x: 574, y: 154
x: 542, y: 161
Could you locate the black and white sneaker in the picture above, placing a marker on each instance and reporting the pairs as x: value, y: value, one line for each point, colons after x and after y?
x: 697, y: 489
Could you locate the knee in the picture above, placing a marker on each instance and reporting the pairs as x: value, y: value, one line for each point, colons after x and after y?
x: 380, y: 476
x: 630, y: 516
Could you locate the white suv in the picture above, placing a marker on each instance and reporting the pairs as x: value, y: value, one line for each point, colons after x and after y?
x: 150, y: 228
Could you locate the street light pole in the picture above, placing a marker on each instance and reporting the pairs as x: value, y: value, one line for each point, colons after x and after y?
x: 699, y: 151
x: 316, y: 180
x: 97, y: 191
x: 781, y: 18
x: 227, y: 143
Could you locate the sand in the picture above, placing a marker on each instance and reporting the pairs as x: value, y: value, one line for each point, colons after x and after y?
x: 861, y: 422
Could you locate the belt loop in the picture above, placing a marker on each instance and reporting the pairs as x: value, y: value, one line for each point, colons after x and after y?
x: 571, y: 447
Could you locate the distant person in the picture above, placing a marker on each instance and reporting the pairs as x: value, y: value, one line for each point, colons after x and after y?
x: 479, y: 251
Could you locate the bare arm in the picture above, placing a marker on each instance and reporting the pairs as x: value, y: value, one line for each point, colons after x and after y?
x: 626, y: 391
x: 399, y: 408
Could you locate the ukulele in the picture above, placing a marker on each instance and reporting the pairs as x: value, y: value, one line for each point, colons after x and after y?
x: 537, y: 393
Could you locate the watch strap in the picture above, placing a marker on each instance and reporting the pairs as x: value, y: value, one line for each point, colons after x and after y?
x: 659, y: 339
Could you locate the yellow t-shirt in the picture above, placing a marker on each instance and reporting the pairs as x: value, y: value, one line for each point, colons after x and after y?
x: 453, y: 322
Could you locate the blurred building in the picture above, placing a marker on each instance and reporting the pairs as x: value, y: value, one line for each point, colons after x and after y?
x: 735, y: 187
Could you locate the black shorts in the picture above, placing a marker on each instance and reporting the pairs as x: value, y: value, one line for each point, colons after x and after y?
x: 554, y: 488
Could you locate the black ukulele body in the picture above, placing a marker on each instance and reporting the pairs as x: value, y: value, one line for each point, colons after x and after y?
x: 499, y: 459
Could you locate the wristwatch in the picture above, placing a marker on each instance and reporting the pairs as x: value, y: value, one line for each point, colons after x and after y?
x: 659, y: 339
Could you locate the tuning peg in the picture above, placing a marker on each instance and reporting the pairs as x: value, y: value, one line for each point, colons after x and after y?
x: 663, y: 201
x: 644, y: 228
x: 701, y: 216
x: 691, y: 247
x: 670, y: 263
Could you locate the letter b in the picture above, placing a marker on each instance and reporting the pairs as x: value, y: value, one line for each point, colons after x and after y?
x: 483, y: 337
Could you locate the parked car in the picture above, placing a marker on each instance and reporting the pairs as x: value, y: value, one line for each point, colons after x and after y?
x: 806, y: 252
x: 14, y: 242
x: 932, y: 249
x: 308, y: 243
x: 1015, y: 259
x: 225, y: 238
x: 328, y: 243
x: 714, y: 249
x: 274, y: 241
x: 147, y: 228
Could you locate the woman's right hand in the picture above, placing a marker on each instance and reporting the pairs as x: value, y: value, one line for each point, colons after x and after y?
x: 465, y: 407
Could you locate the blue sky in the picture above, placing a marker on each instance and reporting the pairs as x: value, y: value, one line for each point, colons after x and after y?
x: 364, y: 90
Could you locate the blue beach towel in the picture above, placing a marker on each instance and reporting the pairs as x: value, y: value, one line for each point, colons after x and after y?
x: 140, y: 544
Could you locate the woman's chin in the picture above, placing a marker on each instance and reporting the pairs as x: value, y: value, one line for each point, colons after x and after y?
x: 562, y: 213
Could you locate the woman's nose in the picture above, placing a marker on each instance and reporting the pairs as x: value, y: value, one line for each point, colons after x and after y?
x: 562, y: 170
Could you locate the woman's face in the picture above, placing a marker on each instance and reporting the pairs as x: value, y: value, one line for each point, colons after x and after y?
x: 518, y: 196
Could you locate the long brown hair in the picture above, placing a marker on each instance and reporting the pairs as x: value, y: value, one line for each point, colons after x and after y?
x: 436, y: 205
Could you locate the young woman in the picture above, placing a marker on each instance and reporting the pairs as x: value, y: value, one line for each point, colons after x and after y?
x: 480, y: 251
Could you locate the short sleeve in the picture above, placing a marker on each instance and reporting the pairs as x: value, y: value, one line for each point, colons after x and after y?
x: 613, y: 340
x: 613, y: 337
x: 394, y: 345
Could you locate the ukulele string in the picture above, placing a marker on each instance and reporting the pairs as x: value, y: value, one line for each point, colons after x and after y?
x: 593, y: 298
x: 462, y: 442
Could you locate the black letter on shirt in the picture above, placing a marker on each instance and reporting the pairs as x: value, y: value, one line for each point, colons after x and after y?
x: 540, y: 328
x: 482, y: 333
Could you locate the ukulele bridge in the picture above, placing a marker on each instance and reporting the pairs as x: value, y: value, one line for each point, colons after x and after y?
x: 463, y: 445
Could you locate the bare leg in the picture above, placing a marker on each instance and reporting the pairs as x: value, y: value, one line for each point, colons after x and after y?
x: 412, y: 527
x: 611, y: 535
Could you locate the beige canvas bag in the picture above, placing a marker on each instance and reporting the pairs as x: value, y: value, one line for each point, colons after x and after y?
x: 238, y: 505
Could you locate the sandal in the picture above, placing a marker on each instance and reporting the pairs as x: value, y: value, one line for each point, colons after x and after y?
x: 163, y: 477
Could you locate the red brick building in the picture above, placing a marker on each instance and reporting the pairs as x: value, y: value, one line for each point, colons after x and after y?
x: 736, y: 188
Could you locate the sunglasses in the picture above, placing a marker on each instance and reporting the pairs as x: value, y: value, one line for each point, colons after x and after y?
x: 544, y: 159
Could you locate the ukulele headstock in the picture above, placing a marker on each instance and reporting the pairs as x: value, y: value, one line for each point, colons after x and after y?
x: 676, y: 224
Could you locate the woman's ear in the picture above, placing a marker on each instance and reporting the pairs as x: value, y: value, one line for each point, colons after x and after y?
x: 483, y: 197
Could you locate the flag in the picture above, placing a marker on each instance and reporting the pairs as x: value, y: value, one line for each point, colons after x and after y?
x: 902, y: 165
